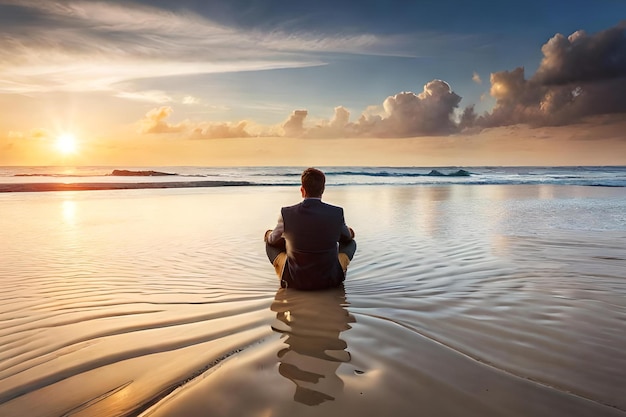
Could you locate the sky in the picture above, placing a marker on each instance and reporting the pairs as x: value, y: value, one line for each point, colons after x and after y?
x: 277, y: 82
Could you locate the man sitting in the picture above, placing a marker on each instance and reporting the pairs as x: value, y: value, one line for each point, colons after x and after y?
x: 311, y: 246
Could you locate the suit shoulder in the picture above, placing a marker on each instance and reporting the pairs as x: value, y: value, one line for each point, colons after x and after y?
x: 332, y: 207
x: 291, y: 208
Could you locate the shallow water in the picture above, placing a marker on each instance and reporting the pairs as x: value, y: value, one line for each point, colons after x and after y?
x: 461, y: 300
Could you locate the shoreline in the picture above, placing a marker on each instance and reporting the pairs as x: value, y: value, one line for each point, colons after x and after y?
x: 94, y: 186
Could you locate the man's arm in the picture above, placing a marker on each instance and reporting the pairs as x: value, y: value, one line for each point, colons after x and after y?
x: 347, y: 234
x: 273, y: 236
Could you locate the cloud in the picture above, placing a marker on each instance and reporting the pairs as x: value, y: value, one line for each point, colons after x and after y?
x: 559, y: 93
x: 405, y: 114
x: 579, y: 76
x: 151, y: 96
x: 39, y: 133
x: 36, y: 133
x: 154, y: 122
x: 338, y: 126
x: 91, y: 46
x: 190, y: 100
x: 584, y: 58
x: 220, y: 131
x: 476, y: 78
x: 294, y: 126
x: 429, y: 112
x: 467, y: 119
x: 15, y: 135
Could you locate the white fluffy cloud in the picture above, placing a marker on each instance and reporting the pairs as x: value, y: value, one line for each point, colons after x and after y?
x: 155, y: 122
x: 427, y: 113
x: 220, y: 131
x: 405, y: 114
x: 294, y: 126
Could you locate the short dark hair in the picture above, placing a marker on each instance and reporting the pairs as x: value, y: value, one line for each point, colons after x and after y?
x: 313, y: 182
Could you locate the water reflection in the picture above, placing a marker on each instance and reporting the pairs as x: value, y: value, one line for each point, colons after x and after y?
x: 311, y: 323
x: 69, y: 211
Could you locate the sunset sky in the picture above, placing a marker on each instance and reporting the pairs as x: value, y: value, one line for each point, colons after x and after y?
x: 273, y: 82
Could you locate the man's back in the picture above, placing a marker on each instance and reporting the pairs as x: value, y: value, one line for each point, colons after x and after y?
x: 312, y: 231
x: 311, y: 246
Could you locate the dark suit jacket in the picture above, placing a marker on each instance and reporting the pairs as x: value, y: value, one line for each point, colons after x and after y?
x: 312, y: 232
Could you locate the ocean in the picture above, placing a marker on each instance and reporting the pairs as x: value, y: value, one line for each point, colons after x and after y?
x: 491, y: 292
x: 11, y: 178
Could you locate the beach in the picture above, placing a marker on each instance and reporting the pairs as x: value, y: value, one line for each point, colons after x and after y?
x: 462, y: 300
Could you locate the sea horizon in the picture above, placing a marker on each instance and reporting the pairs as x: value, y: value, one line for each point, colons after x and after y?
x: 51, y: 178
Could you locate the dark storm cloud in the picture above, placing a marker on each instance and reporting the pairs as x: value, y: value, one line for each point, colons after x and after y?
x: 581, y: 75
x: 581, y: 57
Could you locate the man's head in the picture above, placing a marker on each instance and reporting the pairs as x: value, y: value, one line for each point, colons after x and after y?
x: 313, y: 183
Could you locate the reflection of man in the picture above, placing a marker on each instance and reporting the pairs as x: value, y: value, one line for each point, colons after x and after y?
x: 311, y: 246
x: 311, y: 324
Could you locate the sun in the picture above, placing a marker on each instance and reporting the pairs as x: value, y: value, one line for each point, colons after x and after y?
x: 66, y: 143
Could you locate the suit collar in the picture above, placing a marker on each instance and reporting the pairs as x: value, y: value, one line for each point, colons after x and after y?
x: 311, y: 200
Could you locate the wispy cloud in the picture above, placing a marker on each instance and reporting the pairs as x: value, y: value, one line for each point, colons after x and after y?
x: 152, y: 96
x: 190, y: 100
x: 86, y: 46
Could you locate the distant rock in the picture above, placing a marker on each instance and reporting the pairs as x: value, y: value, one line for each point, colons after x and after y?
x: 435, y: 173
x: 459, y: 173
x: 129, y: 173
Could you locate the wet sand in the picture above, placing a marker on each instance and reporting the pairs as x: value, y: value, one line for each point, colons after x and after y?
x: 461, y: 301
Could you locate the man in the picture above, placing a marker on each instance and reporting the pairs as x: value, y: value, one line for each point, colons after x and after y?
x: 311, y: 246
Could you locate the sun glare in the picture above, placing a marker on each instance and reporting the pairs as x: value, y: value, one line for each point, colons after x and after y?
x: 66, y: 143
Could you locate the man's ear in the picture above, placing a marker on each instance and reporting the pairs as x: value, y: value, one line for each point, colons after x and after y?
x: 302, y: 192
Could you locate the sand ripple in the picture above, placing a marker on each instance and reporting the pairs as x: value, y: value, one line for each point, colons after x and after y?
x: 162, y: 303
